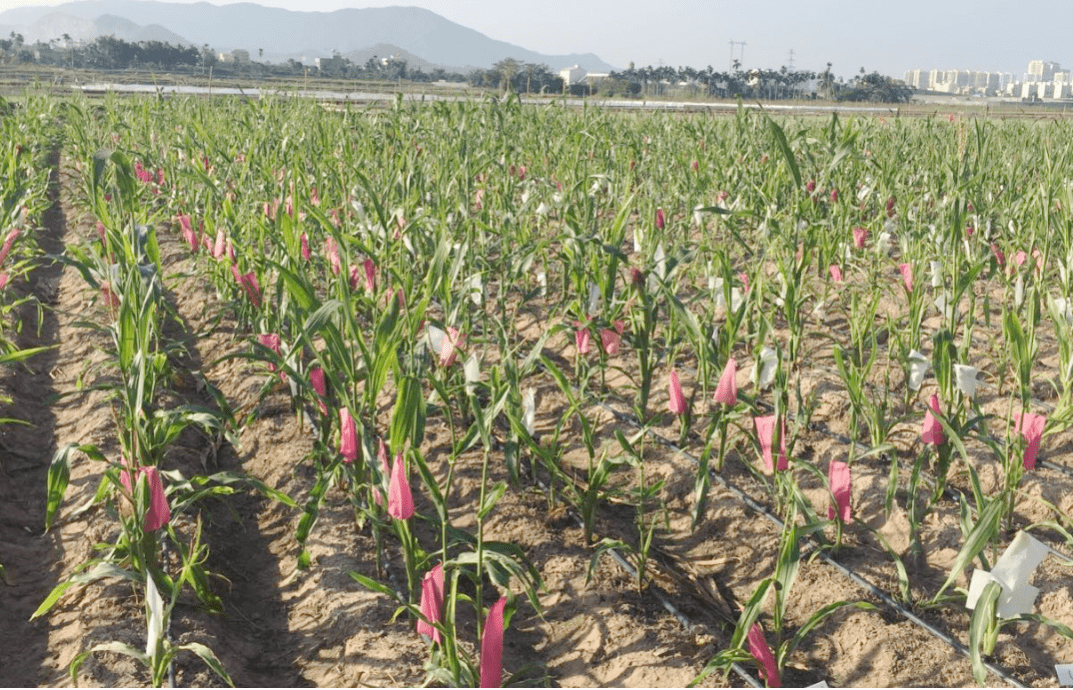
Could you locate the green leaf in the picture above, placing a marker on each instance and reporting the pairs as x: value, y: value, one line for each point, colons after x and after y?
x: 784, y: 146
x: 749, y: 614
x: 100, y: 571
x: 430, y: 483
x: 300, y: 292
x: 321, y: 317
x: 373, y: 585
x: 408, y: 418
x: 113, y: 647
x: 903, y: 574
x: 21, y: 355
x: 209, y: 658
x: 59, y: 475
x: 1059, y: 627
x: 788, y: 647
x: 980, y: 628
x: 312, y: 510
x: 985, y: 530
x: 490, y: 499
x: 786, y: 567
x: 52, y: 598
x: 603, y: 547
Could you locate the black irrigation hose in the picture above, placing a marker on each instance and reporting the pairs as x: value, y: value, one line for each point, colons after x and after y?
x: 307, y: 414
x: 760, y: 509
x: 860, y: 581
x: 671, y: 608
x: 842, y: 438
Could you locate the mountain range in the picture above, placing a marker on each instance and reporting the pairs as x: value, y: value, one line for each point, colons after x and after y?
x: 281, y: 34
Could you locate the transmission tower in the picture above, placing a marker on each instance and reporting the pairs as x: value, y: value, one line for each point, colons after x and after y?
x: 741, y: 53
x: 790, y: 61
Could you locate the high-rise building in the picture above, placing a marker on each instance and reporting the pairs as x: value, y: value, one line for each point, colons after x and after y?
x: 918, y: 78
x: 1041, y: 70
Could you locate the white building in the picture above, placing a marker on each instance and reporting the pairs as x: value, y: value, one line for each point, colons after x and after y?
x: 919, y: 78
x: 237, y: 56
x: 1041, y: 70
x: 572, y: 75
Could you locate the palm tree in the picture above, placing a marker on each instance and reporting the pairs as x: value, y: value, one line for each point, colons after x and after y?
x: 67, y: 44
x: 827, y: 82
x: 531, y: 69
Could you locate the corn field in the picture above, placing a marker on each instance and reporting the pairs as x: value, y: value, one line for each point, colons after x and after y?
x: 498, y: 394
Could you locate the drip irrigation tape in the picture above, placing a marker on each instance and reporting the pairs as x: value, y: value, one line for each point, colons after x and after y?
x: 746, y: 677
x: 860, y: 581
x: 671, y: 608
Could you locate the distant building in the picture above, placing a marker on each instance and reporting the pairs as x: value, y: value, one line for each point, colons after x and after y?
x: 919, y: 79
x: 236, y: 56
x: 572, y: 75
x: 1041, y: 70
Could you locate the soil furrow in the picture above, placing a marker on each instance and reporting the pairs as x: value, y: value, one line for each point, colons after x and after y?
x: 48, y: 393
x: 28, y: 555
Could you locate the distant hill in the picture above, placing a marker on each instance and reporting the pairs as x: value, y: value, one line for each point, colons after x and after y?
x: 386, y: 50
x: 315, y: 34
x: 55, y: 24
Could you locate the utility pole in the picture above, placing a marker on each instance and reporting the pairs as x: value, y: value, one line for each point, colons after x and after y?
x: 741, y: 55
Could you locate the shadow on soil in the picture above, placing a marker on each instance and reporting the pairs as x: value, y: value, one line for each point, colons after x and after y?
x: 252, y: 638
x: 29, y: 557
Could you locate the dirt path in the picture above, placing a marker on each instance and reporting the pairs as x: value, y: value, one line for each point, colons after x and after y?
x: 49, y: 393
x: 253, y: 637
x: 29, y: 557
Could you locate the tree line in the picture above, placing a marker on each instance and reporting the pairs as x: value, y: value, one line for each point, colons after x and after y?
x: 110, y: 53
x: 106, y: 52
x: 767, y: 84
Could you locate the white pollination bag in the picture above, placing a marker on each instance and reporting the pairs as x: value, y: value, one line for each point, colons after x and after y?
x: 1013, y: 572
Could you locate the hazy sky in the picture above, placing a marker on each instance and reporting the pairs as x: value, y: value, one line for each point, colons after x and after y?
x: 989, y: 35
